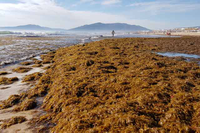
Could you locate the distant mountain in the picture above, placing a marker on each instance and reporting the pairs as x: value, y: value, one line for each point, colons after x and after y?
x: 29, y: 27
x: 109, y: 27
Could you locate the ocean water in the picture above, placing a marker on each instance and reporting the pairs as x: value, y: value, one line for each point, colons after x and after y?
x: 19, y: 49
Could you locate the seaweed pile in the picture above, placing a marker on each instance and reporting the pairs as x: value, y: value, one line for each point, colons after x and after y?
x: 22, y: 69
x: 116, y: 85
x: 4, y: 80
x: 187, y: 45
x: 13, y: 121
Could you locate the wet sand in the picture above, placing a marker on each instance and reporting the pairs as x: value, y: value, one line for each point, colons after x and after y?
x: 22, y: 127
x: 17, y: 88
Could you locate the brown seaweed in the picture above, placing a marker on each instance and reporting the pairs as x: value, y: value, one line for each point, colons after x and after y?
x: 119, y: 85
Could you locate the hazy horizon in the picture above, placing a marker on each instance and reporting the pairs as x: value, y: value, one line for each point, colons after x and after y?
x: 152, y: 14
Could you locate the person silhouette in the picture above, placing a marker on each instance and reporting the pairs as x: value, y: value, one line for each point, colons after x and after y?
x: 113, y: 33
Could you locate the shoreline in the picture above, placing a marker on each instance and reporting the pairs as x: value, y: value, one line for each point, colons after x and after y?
x: 18, y: 88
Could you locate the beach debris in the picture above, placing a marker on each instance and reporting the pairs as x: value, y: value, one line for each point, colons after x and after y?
x: 13, y: 121
x: 4, y: 88
x: 3, y: 73
x: 37, y: 65
x: 37, y: 62
x: 11, y: 101
x: 26, y: 63
x: 48, y: 58
x: 22, y: 69
x: 27, y: 104
x: 32, y: 77
x: 6, y: 81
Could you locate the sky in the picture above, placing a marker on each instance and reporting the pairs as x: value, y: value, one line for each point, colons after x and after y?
x: 152, y: 14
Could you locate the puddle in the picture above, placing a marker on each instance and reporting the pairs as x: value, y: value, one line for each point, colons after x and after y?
x: 169, y: 54
x: 188, y: 57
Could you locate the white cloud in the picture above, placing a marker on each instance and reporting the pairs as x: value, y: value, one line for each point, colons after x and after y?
x: 110, y: 2
x: 170, y: 6
x: 92, y: 2
x: 83, y: 1
x: 48, y: 13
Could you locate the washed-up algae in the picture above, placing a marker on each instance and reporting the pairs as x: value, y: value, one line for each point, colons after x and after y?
x: 3, y: 73
x: 11, y: 101
x: 119, y: 85
x: 6, y: 81
x: 32, y: 77
x: 48, y: 58
x: 22, y: 69
x: 26, y: 63
x: 27, y: 104
x: 13, y: 121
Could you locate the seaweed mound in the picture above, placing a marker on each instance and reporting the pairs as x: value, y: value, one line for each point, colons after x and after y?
x: 13, y: 121
x: 5, y: 81
x: 11, y: 101
x: 3, y: 73
x: 32, y: 77
x: 48, y: 58
x: 119, y: 85
x: 22, y: 69
x: 26, y: 63
x: 27, y: 104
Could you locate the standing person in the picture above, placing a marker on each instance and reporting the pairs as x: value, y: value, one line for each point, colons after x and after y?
x: 113, y: 33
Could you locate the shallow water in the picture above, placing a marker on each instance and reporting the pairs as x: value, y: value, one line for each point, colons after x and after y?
x: 189, y: 57
x: 20, y: 49
x: 169, y: 54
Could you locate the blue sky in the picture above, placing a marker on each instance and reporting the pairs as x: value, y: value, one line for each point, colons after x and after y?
x: 153, y: 14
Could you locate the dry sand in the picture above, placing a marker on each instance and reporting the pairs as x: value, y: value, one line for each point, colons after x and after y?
x: 185, y: 33
x: 177, y: 33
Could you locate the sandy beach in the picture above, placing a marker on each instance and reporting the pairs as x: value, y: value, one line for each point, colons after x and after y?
x: 177, y: 34
x: 186, y: 34
x: 18, y: 87
x: 96, y: 83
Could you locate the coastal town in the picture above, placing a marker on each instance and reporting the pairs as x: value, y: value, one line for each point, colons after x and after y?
x: 187, y: 31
